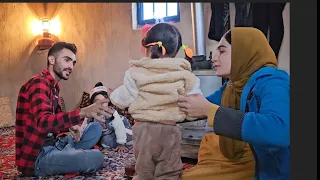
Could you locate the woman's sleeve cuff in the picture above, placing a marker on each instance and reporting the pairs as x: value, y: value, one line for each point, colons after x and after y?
x: 212, y: 112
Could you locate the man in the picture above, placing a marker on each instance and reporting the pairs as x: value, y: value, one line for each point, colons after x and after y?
x: 39, y: 119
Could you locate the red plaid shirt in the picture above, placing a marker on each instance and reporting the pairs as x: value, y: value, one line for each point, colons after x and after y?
x: 36, y: 117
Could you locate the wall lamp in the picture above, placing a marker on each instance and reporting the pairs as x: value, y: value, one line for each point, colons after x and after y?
x: 46, y: 41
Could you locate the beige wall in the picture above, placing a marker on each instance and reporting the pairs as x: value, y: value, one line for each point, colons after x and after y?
x: 16, y: 45
x: 105, y: 40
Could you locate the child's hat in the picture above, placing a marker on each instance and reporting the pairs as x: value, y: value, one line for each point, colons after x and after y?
x: 98, y: 89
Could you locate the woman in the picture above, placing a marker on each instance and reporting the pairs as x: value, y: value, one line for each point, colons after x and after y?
x: 251, y: 108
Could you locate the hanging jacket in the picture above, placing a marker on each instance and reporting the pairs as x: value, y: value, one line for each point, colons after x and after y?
x: 220, y: 20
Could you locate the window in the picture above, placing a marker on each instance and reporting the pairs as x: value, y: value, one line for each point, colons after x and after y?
x: 149, y: 13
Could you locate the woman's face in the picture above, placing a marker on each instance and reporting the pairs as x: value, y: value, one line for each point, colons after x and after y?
x: 100, y: 97
x: 222, y: 59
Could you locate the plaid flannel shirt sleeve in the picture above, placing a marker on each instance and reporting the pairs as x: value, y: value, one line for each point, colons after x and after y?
x: 42, y: 109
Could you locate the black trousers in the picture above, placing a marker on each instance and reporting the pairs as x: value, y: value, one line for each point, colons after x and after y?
x: 243, y: 15
x: 269, y: 16
x: 220, y: 21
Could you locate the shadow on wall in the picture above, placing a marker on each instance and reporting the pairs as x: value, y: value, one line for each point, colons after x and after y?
x: 33, y: 61
x: 37, y: 60
x: 28, y: 64
x: 19, y: 58
x: 32, y: 65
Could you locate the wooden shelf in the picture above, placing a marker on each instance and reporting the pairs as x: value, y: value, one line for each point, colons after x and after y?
x: 209, y: 72
x: 190, y: 145
x: 189, y: 151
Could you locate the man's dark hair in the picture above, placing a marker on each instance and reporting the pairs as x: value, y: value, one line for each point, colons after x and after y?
x: 168, y: 35
x: 58, y: 46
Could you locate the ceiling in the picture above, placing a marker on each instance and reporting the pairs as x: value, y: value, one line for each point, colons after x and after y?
x: 44, y: 10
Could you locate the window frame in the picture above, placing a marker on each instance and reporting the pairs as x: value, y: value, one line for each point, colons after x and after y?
x: 142, y: 22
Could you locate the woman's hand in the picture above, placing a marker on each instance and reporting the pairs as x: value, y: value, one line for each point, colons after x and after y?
x: 194, y: 105
x: 122, y: 149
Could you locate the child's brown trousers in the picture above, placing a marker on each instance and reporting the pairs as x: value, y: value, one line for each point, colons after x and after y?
x: 157, y: 151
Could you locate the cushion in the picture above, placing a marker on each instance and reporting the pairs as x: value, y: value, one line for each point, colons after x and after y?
x: 85, y: 100
x: 6, y: 116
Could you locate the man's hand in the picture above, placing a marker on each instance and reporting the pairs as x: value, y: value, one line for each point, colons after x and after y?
x: 194, y: 105
x: 122, y: 149
x: 75, y: 131
x: 97, y: 109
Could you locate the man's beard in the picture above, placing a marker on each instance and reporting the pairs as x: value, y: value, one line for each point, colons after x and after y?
x: 59, y: 73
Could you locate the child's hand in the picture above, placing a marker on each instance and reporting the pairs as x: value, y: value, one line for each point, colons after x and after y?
x: 122, y: 149
x: 75, y: 131
x: 95, y: 110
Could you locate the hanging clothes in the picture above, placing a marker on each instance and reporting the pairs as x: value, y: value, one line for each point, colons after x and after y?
x: 220, y: 20
x: 269, y: 16
x: 244, y: 14
x: 226, y: 17
x: 227, y: 26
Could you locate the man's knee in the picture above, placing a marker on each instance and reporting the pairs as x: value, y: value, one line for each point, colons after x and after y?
x: 92, y: 161
x: 87, y: 160
x: 90, y: 136
x: 95, y: 160
x: 71, y: 161
x: 96, y: 128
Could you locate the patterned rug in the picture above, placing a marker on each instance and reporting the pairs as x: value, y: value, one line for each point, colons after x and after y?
x: 113, y: 167
x: 7, y: 153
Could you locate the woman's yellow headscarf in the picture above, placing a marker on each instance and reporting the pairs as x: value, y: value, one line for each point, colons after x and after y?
x: 221, y: 157
x: 250, y: 52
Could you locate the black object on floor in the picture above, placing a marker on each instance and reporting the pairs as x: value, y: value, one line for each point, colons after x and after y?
x: 189, y: 160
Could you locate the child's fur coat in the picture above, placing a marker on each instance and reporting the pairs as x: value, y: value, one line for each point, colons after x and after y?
x: 151, y: 88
